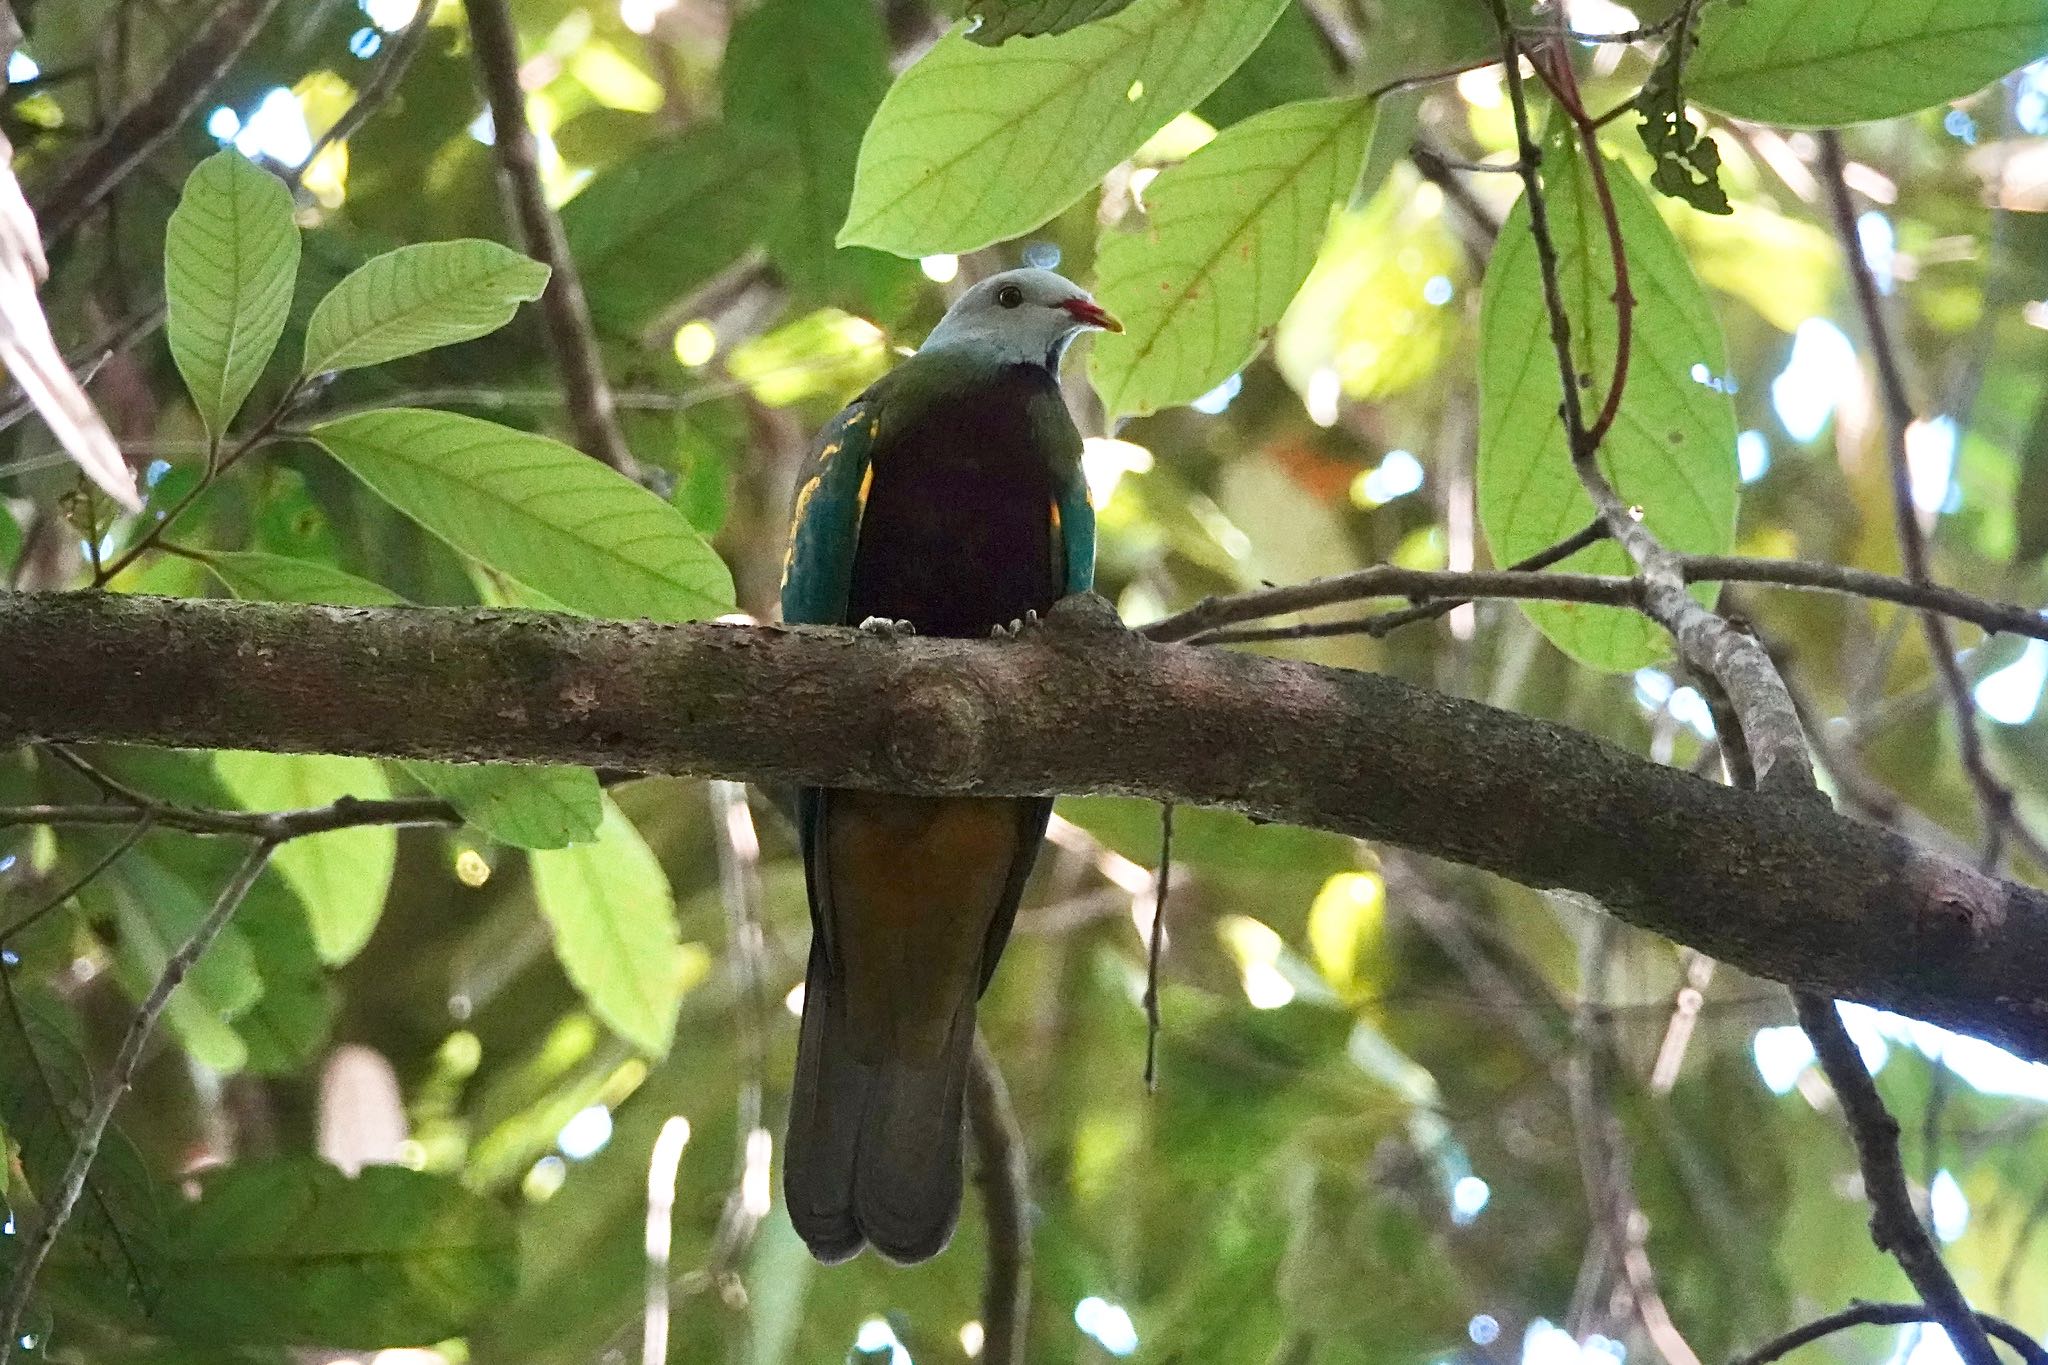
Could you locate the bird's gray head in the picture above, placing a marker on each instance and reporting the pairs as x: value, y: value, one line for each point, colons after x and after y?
x: 1020, y: 317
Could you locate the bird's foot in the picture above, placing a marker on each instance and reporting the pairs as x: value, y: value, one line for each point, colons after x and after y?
x: 1016, y: 629
x: 888, y: 628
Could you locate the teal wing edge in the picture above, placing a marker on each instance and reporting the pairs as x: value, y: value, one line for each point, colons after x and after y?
x: 817, y: 574
x: 1077, y: 528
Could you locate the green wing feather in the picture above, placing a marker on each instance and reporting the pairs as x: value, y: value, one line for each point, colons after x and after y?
x: 817, y: 576
x: 1077, y: 529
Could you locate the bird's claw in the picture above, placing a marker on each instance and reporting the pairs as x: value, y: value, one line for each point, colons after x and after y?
x: 888, y: 628
x: 1016, y: 629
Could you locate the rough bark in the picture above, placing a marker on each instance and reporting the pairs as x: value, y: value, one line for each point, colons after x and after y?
x: 1781, y: 886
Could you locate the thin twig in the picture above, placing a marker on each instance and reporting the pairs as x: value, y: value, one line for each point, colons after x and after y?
x: 58, y: 1210
x: 399, y: 55
x: 1888, y: 1315
x: 188, y: 81
x: 1994, y: 797
x: 1002, y: 1175
x: 739, y: 880
x: 1386, y: 622
x: 280, y: 826
x: 1162, y: 883
x: 1440, y: 590
x: 141, y: 826
x: 571, y: 337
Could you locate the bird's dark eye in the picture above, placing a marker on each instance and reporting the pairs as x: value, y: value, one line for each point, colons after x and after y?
x: 1010, y: 296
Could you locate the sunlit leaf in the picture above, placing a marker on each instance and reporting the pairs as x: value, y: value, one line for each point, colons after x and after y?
x: 614, y: 922
x: 1817, y: 62
x: 537, y: 511
x: 527, y: 807
x: 341, y: 876
x: 1672, y: 447
x: 417, y: 298
x: 231, y: 256
x: 1380, y: 308
x: 1230, y: 235
x: 296, y: 1253
x: 654, y: 226
x: 974, y: 144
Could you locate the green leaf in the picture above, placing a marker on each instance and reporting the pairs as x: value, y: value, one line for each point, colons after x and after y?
x: 342, y: 876
x: 1688, y: 161
x: 1291, y: 64
x: 10, y: 542
x: 296, y: 1253
x: 1002, y: 19
x: 536, y: 511
x: 614, y: 922
x: 417, y: 298
x: 538, y: 807
x: 259, y: 577
x: 1672, y: 448
x: 976, y: 144
x: 651, y: 228
x: 1231, y: 234
x: 1813, y: 63
x: 2030, y: 501
x: 231, y: 255
x: 292, y: 1019
x: 805, y: 78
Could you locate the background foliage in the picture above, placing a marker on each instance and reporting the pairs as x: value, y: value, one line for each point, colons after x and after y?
x: 1407, y: 1112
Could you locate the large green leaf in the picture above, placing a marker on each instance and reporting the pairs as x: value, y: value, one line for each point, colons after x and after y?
x: 538, y: 807
x: 231, y: 255
x: 342, y: 876
x: 975, y: 144
x: 529, y: 807
x: 805, y: 78
x: 416, y: 298
x: 1230, y: 235
x: 1820, y: 62
x: 1000, y: 19
x: 1672, y: 447
x: 654, y: 226
x: 296, y: 1253
x: 537, y: 511
x: 614, y: 922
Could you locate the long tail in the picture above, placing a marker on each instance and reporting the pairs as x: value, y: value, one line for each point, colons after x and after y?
x: 873, y: 1154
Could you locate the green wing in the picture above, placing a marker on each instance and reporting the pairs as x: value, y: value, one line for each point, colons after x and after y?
x: 817, y: 574
x: 1076, y: 528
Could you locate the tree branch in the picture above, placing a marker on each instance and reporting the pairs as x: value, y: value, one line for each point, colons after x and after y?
x: 570, y: 337
x: 1766, y: 726
x: 1776, y: 884
x: 189, y: 79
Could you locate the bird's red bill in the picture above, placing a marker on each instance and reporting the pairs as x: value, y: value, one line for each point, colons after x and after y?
x: 1093, y: 314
